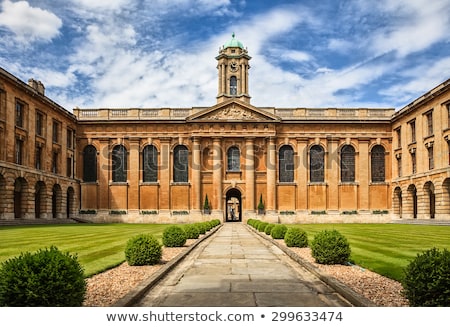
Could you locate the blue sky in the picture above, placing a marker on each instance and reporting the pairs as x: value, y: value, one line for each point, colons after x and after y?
x: 135, y: 53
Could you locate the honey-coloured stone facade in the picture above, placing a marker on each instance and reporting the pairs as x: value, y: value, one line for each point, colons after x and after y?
x: 158, y: 165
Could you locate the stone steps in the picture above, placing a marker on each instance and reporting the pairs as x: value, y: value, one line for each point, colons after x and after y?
x: 422, y: 222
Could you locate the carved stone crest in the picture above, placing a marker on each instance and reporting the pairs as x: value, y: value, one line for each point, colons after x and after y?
x: 233, y: 113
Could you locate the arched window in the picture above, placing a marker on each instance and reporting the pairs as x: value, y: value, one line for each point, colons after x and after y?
x: 180, y: 164
x: 90, y: 164
x: 233, y: 156
x: 347, y: 164
x: 233, y: 85
x: 150, y: 164
x: 377, y: 163
x: 286, y: 164
x: 316, y: 164
x: 119, y: 164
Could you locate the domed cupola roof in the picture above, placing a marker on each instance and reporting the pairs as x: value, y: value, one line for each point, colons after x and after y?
x: 233, y: 43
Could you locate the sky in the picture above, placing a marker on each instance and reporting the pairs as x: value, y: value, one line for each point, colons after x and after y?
x: 153, y: 54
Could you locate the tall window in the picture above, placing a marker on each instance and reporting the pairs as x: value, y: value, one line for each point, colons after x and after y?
x: 413, y: 131
x: 20, y: 112
x: 19, y: 151
x: 399, y: 166
x: 69, y: 139
x: 398, y: 132
x: 39, y: 124
x: 90, y: 164
x: 180, y: 164
x: 413, y: 163
x: 448, y: 115
x: 430, y: 158
x: 377, y: 163
x: 347, y: 164
x: 55, y: 159
x: 38, y: 157
x: 150, y: 164
x: 316, y: 164
x: 119, y: 164
x: 233, y: 85
x: 69, y: 165
x: 233, y: 156
x: 55, y: 131
x: 286, y: 164
x: 430, y: 123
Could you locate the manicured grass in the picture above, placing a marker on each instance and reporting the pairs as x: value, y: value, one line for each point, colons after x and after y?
x: 386, y: 248
x: 98, y: 246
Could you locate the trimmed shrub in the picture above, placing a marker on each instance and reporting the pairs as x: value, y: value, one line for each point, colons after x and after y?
x: 201, y: 227
x: 427, y: 279
x: 330, y: 247
x: 47, y: 278
x: 192, y: 231
x: 174, y: 236
x: 143, y: 250
x: 268, y: 228
x: 278, y: 231
x: 296, y: 237
x: 262, y: 226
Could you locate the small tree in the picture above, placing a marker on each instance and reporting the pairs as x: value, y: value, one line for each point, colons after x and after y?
x: 260, y: 206
x: 206, y: 206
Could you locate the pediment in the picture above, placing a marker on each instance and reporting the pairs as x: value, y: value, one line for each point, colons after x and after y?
x: 234, y: 111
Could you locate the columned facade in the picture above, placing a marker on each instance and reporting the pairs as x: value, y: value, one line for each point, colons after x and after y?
x: 163, y: 165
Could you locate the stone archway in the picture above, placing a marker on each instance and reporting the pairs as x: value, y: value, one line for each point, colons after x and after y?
x: 398, y: 204
x: 40, y: 200
x: 20, y: 189
x: 412, y: 201
x: 430, y: 203
x: 70, y: 201
x: 445, y: 203
x: 56, y: 201
x: 233, y: 205
x: 3, y: 204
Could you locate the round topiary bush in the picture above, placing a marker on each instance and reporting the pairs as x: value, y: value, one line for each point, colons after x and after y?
x: 142, y: 250
x: 427, y: 279
x: 262, y: 226
x: 268, y: 228
x: 296, y: 237
x: 192, y: 231
x: 278, y: 231
x: 330, y: 247
x: 174, y: 236
x: 47, y: 278
x: 201, y: 227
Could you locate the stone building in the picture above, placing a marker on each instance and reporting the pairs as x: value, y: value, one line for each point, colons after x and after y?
x: 277, y: 164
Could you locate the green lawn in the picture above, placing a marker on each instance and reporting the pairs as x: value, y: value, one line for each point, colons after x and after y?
x: 98, y: 246
x: 383, y: 248
x: 386, y: 248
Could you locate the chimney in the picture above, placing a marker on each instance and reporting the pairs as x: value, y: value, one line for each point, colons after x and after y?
x: 37, y: 86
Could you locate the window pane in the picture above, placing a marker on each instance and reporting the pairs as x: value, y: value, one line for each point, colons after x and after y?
x: 90, y: 164
x: 378, y: 164
x: 233, y: 159
x: 119, y: 164
x: 316, y: 164
x: 286, y: 164
x: 180, y: 164
x: 150, y: 164
x: 348, y: 164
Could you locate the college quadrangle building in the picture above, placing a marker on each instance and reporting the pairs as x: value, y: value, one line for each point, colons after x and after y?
x: 276, y: 164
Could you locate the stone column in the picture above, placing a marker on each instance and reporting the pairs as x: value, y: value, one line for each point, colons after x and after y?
x: 217, y: 176
x: 332, y: 174
x: 250, y: 175
x: 103, y: 175
x: 165, y: 173
x: 362, y: 175
x: 271, y: 167
x: 133, y: 176
x: 302, y: 175
x: 196, y: 174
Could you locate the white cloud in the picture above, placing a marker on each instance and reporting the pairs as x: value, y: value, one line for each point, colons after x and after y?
x: 29, y: 23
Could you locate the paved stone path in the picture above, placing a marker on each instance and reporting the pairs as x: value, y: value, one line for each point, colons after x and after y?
x: 237, y: 268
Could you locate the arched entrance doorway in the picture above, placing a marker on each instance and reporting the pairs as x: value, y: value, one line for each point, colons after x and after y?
x: 398, y: 202
x: 429, y: 189
x: 233, y: 205
x: 70, y: 201
x: 39, y: 199
x: 412, y: 192
x: 20, y: 188
x: 56, y: 201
